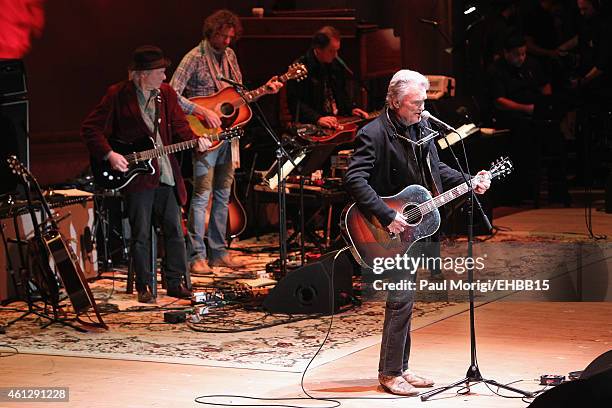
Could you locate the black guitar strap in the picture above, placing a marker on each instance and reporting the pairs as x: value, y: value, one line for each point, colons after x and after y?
x: 157, y: 114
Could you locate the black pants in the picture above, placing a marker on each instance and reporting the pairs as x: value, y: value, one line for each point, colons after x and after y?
x: 142, y: 206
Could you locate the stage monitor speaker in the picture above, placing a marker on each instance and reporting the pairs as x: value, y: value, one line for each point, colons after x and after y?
x: 592, y: 389
x: 306, y: 290
x: 597, y: 366
x: 14, y: 128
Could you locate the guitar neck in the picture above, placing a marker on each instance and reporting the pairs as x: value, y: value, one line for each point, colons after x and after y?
x: 173, y: 148
x: 444, y: 198
x: 257, y: 93
x: 357, y: 119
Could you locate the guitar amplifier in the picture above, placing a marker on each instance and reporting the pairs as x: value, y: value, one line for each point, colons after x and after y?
x: 75, y: 215
x: 12, y: 78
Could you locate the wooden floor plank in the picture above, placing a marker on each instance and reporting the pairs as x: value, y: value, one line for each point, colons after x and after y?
x: 516, y: 341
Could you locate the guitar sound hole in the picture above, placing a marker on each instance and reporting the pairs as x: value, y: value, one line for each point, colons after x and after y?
x: 227, y: 109
x: 412, y: 214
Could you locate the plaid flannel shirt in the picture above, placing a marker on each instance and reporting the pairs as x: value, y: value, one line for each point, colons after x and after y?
x: 193, y: 77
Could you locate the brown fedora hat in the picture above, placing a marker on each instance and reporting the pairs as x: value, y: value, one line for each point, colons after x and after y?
x: 148, y: 57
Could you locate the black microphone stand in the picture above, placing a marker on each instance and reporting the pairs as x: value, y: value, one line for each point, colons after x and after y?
x: 473, y: 374
x: 280, y: 153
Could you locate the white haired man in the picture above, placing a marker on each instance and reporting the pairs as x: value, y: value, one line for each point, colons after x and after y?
x: 138, y: 108
x: 386, y: 160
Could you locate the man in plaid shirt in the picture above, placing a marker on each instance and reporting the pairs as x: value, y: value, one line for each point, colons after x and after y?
x: 213, y: 172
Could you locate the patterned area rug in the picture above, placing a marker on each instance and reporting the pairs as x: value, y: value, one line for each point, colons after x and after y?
x: 260, y: 340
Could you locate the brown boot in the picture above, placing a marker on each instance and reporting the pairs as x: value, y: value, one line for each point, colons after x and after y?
x: 397, y: 385
x: 146, y: 297
x: 417, y: 380
x: 200, y: 267
x: 226, y: 262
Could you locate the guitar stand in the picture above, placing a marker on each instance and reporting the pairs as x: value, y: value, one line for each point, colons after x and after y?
x: 27, y: 293
x: 48, y: 243
x: 473, y: 374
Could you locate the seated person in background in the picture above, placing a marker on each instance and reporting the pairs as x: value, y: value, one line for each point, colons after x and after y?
x: 593, y: 42
x: 322, y: 95
x: 592, y: 87
x: 548, y: 25
x: 516, y: 82
x: 503, y: 21
x: 522, y: 98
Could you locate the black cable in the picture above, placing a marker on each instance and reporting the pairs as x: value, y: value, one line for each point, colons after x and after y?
x: 194, y: 327
x: 333, y: 400
x: 3, y: 353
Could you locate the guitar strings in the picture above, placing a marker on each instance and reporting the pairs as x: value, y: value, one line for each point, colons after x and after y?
x: 150, y: 154
x: 417, y: 212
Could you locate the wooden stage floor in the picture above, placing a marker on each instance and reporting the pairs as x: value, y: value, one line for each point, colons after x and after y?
x: 516, y: 342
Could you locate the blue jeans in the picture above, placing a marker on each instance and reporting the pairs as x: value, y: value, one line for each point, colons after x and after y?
x: 213, y: 172
x: 395, y: 344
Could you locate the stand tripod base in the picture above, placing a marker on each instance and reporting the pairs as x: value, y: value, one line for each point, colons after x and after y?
x: 473, y: 376
x: 52, y: 320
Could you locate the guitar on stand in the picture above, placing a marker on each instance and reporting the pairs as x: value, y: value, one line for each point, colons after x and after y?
x: 369, y: 239
x: 345, y: 133
x: 48, y: 244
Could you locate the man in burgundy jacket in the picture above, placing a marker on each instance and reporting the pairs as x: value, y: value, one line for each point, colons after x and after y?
x: 131, y: 110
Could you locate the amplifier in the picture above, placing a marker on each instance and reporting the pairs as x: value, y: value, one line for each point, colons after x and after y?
x: 76, y: 222
x: 12, y: 78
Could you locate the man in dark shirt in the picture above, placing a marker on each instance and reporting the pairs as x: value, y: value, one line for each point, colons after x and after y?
x: 322, y: 96
x: 523, y: 103
x: 388, y: 158
x: 594, y: 45
x: 516, y: 82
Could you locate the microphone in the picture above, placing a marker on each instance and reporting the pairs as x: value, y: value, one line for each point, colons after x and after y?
x: 341, y: 62
x: 230, y: 81
x: 428, y: 116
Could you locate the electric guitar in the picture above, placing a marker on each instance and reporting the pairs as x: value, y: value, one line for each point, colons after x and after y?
x: 232, y: 107
x: 369, y: 239
x: 139, y: 155
x: 349, y: 125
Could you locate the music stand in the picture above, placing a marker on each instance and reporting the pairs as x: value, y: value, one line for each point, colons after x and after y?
x: 316, y: 155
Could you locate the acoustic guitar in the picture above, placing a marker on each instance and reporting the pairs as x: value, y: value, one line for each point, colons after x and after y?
x: 48, y: 244
x: 233, y: 108
x: 369, y: 239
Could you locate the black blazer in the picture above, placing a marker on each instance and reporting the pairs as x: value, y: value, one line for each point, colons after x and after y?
x: 380, y: 166
x: 305, y: 98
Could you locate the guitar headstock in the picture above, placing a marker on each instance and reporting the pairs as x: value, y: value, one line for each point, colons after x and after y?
x: 17, y: 167
x: 232, y: 133
x: 501, y: 167
x: 296, y: 71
